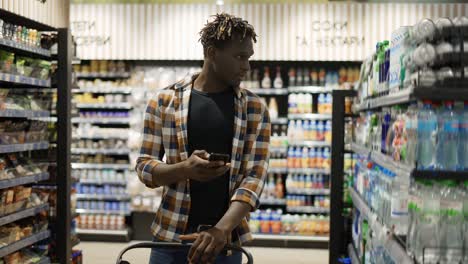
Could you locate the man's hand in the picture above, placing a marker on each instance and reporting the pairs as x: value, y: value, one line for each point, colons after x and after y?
x: 199, y: 168
x: 207, y: 245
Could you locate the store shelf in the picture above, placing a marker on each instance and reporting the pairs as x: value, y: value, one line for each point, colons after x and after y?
x: 102, y: 212
x: 44, y: 260
x: 24, y: 180
x: 273, y: 201
x: 25, y: 242
x: 408, y: 95
x: 279, y: 121
x: 100, y: 151
x: 441, y: 175
x: 278, y: 149
x: 23, y: 147
x: 98, y: 75
x: 290, y: 237
x: 24, y: 49
x: 309, y: 171
x: 113, y: 136
x: 104, y: 90
x: 308, y: 210
x: 115, y: 197
x: 309, y: 191
x: 309, y: 144
x: 271, y: 91
x: 124, y: 106
x: 102, y: 120
x: 23, y: 214
x: 310, y: 89
x: 278, y: 170
x: 18, y: 79
x: 360, y: 150
x: 94, y: 182
x: 100, y: 166
x: 353, y: 255
x: 23, y: 113
x: 393, y: 247
x: 102, y: 232
x: 75, y: 242
x: 395, y: 166
x: 310, y: 116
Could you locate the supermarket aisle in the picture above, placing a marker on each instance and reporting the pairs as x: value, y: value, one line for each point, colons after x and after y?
x: 106, y: 253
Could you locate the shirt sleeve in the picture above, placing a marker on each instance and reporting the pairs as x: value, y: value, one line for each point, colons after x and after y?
x: 152, y: 150
x: 251, y: 187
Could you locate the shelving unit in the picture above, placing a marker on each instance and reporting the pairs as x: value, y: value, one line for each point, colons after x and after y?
x: 308, y: 210
x: 310, y: 191
x: 100, y: 151
x: 26, y: 84
x: 309, y: 144
x: 273, y: 201
x: 392, y: 246
x: 23, y: 214
x: 271, y: 91
x: 82, y: 181
x: 23, y: 180
x: 23, y: 113
x: 23, y: 147
x: 104, y: 90
x: 279, y: 121
x: 25, y: 242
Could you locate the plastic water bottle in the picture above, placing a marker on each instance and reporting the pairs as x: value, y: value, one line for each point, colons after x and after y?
x: 427, y: 126
x: 451, y: 223
x: 447, y: 149
x: 463, y: 141
x: 427, y: 233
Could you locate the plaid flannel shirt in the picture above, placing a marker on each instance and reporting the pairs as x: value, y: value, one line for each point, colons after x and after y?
x: 165, y: 131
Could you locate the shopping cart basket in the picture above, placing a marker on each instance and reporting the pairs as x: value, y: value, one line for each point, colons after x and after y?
x: 173, y: 245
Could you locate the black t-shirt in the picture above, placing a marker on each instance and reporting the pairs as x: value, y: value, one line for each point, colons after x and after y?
x: 210, y: 127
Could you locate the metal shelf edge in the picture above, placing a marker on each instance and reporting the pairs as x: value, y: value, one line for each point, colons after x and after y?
x: 23, y: 214
x: 25, y: 242
x: 23, y: 147
x: 24, y: 180
x: 290, y: 237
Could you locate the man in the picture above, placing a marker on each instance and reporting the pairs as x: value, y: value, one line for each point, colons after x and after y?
x: 207, y: 201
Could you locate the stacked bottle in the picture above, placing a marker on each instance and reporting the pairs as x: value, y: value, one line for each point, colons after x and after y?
x: 303, y: 157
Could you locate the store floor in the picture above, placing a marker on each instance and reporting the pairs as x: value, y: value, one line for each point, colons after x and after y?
x: 106, y: 253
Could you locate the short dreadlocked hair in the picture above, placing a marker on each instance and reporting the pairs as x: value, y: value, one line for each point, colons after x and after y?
x: 221, y: 30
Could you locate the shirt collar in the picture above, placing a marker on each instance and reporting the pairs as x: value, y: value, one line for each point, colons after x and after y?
x: 186, y: 83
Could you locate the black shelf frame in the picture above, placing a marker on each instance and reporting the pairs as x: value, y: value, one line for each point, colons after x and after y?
x: 337, y: 247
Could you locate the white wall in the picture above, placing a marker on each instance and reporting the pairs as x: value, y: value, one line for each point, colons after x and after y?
x: 297, y: 31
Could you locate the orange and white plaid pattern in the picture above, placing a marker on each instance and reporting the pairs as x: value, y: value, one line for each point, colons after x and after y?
x: 165, y: 132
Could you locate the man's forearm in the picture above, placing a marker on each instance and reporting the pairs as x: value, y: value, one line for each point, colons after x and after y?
x: 232, y: 218
x: 167, y: 174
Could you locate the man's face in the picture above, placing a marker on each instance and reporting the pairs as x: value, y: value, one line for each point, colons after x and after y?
x: 231, y: 63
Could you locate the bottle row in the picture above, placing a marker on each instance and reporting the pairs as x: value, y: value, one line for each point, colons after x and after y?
x: 429, y: 135
x: 89, y: 98
x: 100, y: 144
x: 101, y: 222
x: 24, y: 35
x: 422, y: 48
x: 302, y: 130
x: 295, y: 201
x: 88, y: 130
x: 301, y: 77
x: 104, y: 206
x: 102, y: 175
x: 303, y: 103
x: 110, y: 114
x: 275, y: 222
x: 101, y: 159
x: 101, y: 66
x: 100, y: 189
x: 298, y: 182
x: 303, y: 157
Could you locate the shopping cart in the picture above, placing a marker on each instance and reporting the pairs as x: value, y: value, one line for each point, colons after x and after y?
x: 173, y: 245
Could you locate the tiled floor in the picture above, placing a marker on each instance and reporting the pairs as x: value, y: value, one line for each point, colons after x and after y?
x: 106, y: 253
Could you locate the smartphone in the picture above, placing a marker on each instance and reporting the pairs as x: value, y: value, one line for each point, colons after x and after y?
x: 219, y: 157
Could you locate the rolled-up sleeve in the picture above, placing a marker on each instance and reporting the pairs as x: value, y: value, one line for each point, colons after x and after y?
x: 251, y: 187
x: 151, y: 150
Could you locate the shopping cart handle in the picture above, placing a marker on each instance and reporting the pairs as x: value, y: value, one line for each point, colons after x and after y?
x: 173, y: 245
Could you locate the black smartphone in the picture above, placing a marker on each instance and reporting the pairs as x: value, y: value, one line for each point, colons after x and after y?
x: 219, y: 157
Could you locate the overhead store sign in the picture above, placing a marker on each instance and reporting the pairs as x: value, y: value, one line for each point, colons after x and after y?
x: 295, y: 31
